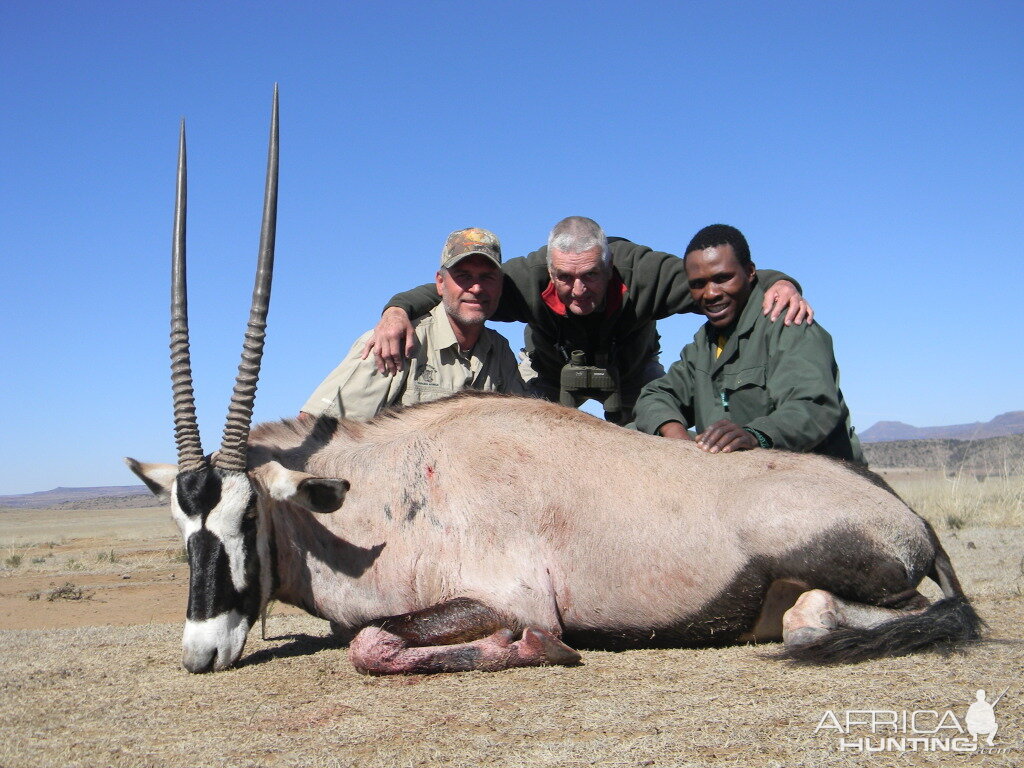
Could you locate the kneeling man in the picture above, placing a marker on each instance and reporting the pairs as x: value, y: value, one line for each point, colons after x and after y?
x: 453, y: 349
x: 746, y: 382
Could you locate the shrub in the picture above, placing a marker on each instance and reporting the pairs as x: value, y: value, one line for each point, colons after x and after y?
x: 68, y: 591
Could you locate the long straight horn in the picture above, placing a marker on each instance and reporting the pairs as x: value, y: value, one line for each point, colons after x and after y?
x: 186, y: 428
x: 232, y: 454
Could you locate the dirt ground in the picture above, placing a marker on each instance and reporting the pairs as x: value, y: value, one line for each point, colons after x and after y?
x: 128, y: 564
x: 92, y: 678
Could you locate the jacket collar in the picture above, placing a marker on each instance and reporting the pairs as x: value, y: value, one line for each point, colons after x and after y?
x: 744, y: 326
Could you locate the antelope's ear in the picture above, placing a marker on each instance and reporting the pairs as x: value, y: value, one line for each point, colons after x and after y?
x: 317, y: 494
x: 321, y: 494
x: 158, y: 477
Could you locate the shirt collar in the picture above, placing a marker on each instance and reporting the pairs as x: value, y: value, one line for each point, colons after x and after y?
x: 442, y: 335
x: 746, y: 320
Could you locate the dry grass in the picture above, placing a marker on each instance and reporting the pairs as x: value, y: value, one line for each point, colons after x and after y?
x: 295, y: 701
x: 958, y: 499
x: 48, y: 529
x: 57, y: 542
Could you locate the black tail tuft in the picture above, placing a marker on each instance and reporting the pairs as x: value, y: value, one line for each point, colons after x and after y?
x: 946, y: 625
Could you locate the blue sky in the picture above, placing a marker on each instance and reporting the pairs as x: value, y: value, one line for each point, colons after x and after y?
x: 871, y: 150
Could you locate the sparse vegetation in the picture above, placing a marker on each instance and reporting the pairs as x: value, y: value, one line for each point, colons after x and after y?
x: 958, y: 501
x: 107, y: 557
x: 180, y: 555
x: 68, y: 591
x: 955, y: 522
x: 13, y: 560
x: 74, y: 565
x: 957, y: 484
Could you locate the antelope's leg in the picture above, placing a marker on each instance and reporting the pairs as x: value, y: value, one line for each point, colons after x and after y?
x: 456, y: 621
x: 782, y: 595
x: 818, y: 612
x: 456, y: 636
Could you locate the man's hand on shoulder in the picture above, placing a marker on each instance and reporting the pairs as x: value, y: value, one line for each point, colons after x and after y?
x: 725, y: 437
x: 783, y: 295
x: 391, y: 342
x: 674, y: 430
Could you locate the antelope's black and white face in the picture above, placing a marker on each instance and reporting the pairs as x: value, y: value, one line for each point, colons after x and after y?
x: 215, y: 510
x: 230, y: 578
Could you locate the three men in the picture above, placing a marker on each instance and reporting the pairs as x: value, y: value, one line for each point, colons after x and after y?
x: 451, y: 349
x: 745, y: 382
x: 590, y: 304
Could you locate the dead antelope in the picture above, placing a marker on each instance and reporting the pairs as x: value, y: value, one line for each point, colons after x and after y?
x: 486, y: 532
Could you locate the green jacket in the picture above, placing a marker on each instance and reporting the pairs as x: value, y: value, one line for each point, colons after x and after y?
x: 780, y: 380
x: 646, y: 286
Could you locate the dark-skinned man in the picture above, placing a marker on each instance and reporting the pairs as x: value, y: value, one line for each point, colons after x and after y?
x: 745, y: 382
x: 590, y: 304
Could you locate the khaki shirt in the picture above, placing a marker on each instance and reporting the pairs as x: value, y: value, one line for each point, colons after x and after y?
x: 355, y: 390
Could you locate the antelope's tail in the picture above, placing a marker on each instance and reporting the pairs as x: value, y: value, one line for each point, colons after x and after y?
x: 945, y: 625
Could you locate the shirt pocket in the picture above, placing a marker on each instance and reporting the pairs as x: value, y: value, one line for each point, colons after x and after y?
x: 425, y: 393
x: 746, y: 391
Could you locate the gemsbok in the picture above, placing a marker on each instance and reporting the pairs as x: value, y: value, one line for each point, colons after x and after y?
x: 487, y: 532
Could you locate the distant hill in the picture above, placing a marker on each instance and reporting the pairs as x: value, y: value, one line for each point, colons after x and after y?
x: 1011, y: 423
x: 992, y: 456
x: 101, y: 497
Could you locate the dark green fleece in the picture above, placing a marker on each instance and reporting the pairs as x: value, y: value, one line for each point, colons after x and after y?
x: 780, y: 380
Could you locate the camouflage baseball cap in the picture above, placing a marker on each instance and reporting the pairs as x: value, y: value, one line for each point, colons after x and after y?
x: 466, y: 242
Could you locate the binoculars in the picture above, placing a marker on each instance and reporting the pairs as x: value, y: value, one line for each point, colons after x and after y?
x: 581, y: 382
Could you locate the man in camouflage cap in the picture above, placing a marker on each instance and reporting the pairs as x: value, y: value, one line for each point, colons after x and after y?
x: 453, y: 349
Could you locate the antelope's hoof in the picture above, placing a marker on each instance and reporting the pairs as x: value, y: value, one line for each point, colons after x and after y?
x: 553, y: 650
x: 804, y: 636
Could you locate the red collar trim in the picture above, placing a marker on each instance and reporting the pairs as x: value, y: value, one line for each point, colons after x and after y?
x: 612, y: 302
x: 550, y: 298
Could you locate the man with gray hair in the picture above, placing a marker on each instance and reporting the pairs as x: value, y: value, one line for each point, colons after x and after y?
x: 452, y: 349
x: 590, y: 304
